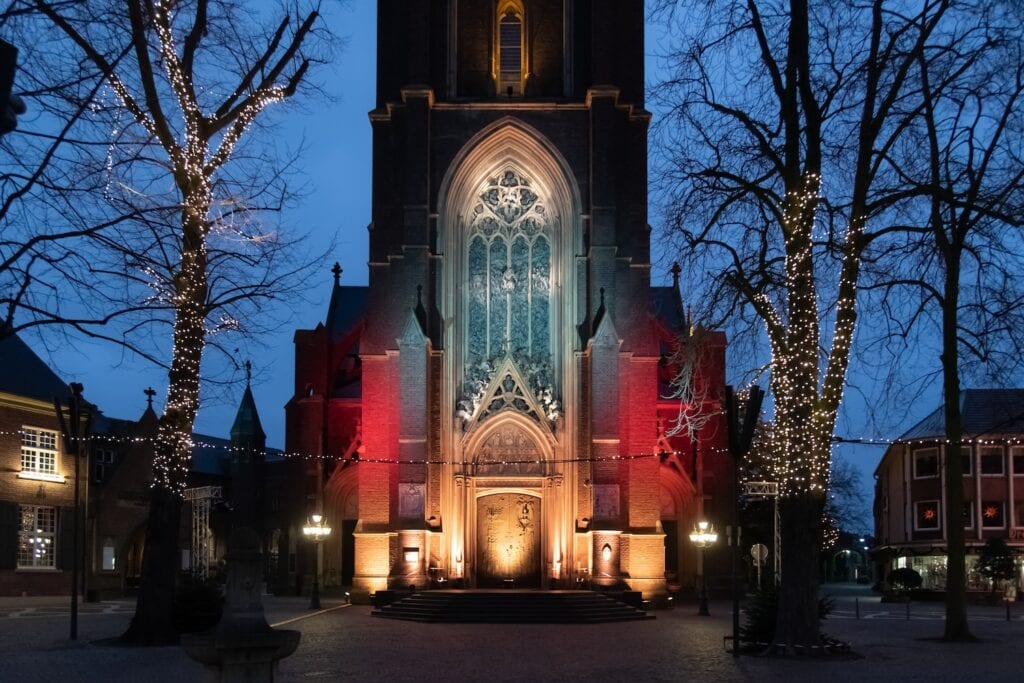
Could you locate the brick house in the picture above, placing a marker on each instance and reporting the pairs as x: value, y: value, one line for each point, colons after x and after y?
x: 37, y: 485
x: 122, y: 469
x: 909, y: 505
x: 36, y: 476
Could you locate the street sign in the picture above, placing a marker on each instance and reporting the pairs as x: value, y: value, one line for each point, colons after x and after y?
x: 759, y: 551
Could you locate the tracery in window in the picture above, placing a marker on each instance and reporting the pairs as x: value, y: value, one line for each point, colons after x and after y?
x: 509, y: 272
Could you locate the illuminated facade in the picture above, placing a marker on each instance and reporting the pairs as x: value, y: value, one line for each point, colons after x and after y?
x: 910, y: 485
x: 488, y: 407
x: 37, y: 476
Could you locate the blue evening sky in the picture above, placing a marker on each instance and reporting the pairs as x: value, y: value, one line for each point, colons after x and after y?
x: 336, y: 168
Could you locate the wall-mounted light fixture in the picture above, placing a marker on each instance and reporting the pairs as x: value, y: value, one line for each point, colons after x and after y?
x: 606, y: 552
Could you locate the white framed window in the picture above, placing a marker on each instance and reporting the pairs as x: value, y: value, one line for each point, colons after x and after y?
x: 926, y: 463
x: 39, y: 454
x: 1017, y: 458
x: 37, y: 537
x: 993, y: 514
x: 991, y: 462
x: 926, y: 515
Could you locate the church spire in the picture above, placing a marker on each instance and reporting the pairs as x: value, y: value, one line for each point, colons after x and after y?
x: 247, y: 421
x: 336, y: 301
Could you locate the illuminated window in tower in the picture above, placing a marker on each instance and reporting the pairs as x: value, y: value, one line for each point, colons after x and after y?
x: 510, y: 52
x: 509, y: 272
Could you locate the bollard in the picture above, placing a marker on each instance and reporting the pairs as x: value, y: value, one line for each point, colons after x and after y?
x: 908, y: 610
x: 856, y: 605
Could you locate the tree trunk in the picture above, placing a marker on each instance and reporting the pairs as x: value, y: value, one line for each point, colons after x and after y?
x: 153, y: 623
x: 797, y: 625
x: 153, y: 620
x: 956, y: 569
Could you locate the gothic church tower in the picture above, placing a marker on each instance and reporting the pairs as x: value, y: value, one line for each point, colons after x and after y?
x: 501, y: 374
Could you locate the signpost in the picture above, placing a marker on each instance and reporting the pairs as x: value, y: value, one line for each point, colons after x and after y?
x: 759, y: 551
x: 741, y: 435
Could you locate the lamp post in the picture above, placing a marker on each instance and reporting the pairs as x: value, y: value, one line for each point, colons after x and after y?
x: 703, y: 536
x: 316, y: 531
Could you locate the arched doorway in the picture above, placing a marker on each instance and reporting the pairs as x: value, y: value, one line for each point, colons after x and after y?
x: 133, y: 549
x: 341, y: 508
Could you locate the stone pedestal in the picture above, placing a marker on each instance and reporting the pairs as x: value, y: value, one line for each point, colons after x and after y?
x: 242, y: 647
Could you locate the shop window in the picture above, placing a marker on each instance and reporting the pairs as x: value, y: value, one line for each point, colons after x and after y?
x: 968, y: 514
x: 932, y: 569
x: 967, y: 460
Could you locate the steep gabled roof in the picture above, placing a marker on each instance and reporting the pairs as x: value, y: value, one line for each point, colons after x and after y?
x: 347, y: 308
x: 23, y: 373
x: 985, y: 412
x: 667, y: 307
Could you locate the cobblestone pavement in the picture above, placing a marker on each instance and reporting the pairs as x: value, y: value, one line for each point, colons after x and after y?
x: 347, y: 644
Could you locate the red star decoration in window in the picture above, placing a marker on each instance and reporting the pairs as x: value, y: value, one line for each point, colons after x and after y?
x: 929, y: 514
x: 991, y: 511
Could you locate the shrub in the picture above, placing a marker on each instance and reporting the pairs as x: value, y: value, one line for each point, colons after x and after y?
x: 762, y: 612
x: 904, y: 579
x: 996, y: 562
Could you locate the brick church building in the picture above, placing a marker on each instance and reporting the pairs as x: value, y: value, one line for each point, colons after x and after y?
x: 492, y: 409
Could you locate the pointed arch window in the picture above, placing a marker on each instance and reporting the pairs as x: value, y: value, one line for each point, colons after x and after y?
x: 509, y: 258
x: 510, y: 49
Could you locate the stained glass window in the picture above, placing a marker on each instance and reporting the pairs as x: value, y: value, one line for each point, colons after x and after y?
x: 509, y: 267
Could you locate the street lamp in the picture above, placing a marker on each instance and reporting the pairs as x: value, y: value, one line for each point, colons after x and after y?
x: 703, y: 536
x: 315, y: 532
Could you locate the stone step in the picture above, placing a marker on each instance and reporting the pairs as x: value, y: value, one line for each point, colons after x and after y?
x: 510, y: 606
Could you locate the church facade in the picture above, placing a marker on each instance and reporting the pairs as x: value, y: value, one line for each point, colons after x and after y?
x: 494, y: 408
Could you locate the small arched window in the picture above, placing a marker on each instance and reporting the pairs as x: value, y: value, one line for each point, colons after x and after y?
x: 510, y: 52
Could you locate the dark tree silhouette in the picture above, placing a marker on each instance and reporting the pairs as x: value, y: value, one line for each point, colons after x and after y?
x: 776, y: 175
x: 166, y: 237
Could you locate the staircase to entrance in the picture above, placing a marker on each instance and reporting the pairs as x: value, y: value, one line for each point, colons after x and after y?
x: 511, y: 606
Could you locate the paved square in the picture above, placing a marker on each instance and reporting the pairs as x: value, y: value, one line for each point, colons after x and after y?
x: 349, y: 644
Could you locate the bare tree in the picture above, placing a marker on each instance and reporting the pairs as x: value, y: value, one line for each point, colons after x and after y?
x: 697, y: 396
x: 780, y: 116
x: 957, y: 276
x: 171, y: 90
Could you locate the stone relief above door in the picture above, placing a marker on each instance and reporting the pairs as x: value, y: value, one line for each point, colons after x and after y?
x: 509, y: 451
